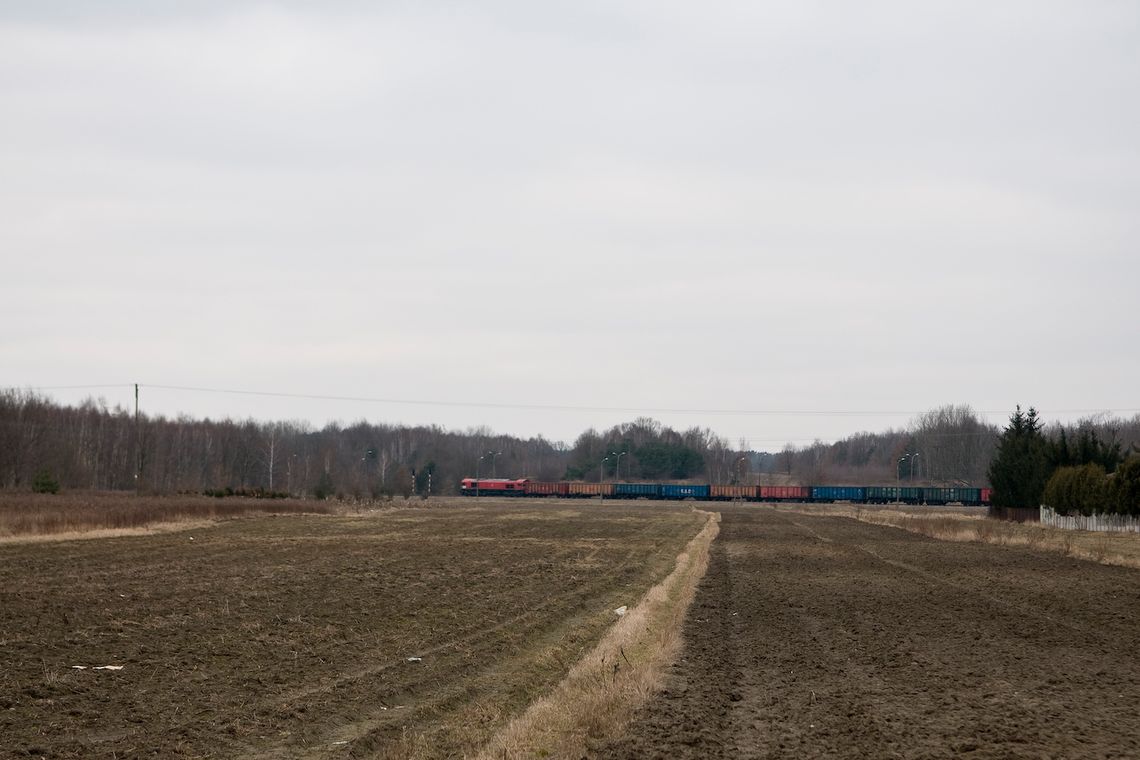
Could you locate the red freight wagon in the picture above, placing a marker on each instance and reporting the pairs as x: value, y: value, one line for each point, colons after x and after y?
x: 541, y: 488
x: 785, y: 493
x: 987, y: 495
x: 725, y: 493
x: 492, y: 487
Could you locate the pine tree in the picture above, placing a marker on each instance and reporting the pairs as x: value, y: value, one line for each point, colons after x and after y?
x: 324, y: 488
x: 1126, y: 487
x: 1020, y: 467
x: 45, y: 482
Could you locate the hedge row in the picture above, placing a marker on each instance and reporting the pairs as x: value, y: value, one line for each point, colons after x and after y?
x: 1088, y: 490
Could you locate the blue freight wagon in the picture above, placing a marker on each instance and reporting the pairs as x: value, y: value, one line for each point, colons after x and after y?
x: 670, y: 491
x: 838, y: 493
x: 967, y: 496
x: 892, y: 494
x: 637, y: 491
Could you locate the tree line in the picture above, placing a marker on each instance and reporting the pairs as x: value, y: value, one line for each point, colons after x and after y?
x: 93, y: 446
x: 46, y: 446
x: 646, y: 450
x: 1092, y: 467
x: 949, y: 445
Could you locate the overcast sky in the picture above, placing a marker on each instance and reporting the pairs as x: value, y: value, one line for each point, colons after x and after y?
x: 616, y: 208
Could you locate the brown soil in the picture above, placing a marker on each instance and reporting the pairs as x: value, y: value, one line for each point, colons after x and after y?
x: 291, y: 636
x: 823, y: 637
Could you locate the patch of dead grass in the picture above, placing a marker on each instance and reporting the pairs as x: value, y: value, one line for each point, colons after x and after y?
x: 601, y: 692
x: 53, y: 517
x: 79, y: 535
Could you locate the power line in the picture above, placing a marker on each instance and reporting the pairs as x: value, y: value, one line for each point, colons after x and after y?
x: 852, y: 438
x: 554, y: 407
x: 542, y: 407
x: 573, y: 408
x: 65, y: 387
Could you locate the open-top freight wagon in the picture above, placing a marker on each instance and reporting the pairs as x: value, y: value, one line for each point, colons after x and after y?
x: 637, y: 491
x: 932, y: 495
x: 590, y: 489
x: 857, y: 494
x: 893, y: 494
x: 734, y: 493
x: 785, y: 493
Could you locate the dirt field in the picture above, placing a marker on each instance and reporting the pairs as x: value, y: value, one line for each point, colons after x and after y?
x: 292, y: 636
x: 973, y: 524
x: 822, y: 637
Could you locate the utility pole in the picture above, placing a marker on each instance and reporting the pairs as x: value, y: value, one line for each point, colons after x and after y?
x: 138, y: 445
x: 898, y: 485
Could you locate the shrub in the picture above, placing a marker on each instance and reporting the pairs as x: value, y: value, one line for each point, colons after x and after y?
x: 1055, y: 494
x: 245, y: 493
x: 45, y: 482
x: 1081, y: 489
x: 1125, y: 487
x: 324, y: 488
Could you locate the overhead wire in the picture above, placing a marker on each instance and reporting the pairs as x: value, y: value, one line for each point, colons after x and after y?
x: 548, y: 407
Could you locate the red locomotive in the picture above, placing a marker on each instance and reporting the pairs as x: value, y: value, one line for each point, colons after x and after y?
x: 492, y: 487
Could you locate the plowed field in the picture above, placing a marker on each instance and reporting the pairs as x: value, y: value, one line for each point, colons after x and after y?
x: 411, y: 631
x: 822, y: 637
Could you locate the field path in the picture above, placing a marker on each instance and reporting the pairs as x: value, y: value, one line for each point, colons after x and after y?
x: 816, y: 636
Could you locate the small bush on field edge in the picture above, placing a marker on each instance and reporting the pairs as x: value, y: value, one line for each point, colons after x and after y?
x: 45, y: 482
x: 247, y: 493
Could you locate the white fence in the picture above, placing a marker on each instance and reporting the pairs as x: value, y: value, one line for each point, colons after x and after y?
x: 1101, y: 523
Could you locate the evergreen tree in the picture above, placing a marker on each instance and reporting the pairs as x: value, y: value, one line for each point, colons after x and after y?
x: 1020, y: 467
x: 1092, y: 450
x: 1125, y: 487
x: 403, y: 482
x: 324, y: 488
x: 45, y: 482
x: 1060, y: 453
x: 1085, y: 447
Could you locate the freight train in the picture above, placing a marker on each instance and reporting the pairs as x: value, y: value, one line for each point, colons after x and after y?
x: 929, y: 495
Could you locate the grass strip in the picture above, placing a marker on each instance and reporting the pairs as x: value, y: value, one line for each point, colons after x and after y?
x: 600, y: 693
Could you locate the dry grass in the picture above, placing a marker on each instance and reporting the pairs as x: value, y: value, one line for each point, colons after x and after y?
x: 960, y: 525
x: 600, y: 693
x: 95, y: 533
x: 84, y: 515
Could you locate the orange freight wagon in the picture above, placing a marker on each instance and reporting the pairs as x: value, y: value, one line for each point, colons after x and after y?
x: 726, y: 493
x: 590, y: 489
x: 546, y: 488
